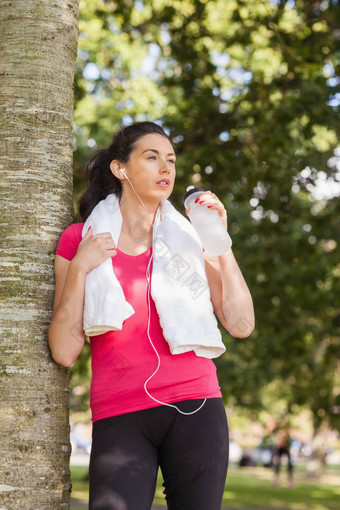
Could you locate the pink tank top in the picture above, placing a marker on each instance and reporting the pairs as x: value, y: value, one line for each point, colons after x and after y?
x: 123, y: 360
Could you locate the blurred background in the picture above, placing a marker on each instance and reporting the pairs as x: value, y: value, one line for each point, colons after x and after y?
x: 249, y: 92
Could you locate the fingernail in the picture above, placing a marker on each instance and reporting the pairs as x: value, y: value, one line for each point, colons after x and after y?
x: 89, y: 228
x: 208, y: 206
x: 197, y: 200
x: 201, y: 202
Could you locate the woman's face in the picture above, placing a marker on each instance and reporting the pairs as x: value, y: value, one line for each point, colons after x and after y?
x: 151, y: 168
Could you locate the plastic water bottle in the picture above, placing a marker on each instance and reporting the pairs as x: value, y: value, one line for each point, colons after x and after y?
x: 211, y: 231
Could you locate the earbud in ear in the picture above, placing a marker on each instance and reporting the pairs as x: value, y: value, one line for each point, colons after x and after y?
x: 122, y: 171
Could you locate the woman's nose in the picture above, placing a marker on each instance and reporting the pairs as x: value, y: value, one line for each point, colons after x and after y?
x: 165, y: 167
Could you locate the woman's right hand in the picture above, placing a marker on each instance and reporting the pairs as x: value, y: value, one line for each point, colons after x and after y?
x: 93, y: 250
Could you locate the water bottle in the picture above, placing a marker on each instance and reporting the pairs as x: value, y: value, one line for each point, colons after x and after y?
x: 211, y: 231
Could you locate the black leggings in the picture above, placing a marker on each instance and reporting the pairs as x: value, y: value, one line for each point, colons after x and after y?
x: 279, y: 452
x: 192, y: 452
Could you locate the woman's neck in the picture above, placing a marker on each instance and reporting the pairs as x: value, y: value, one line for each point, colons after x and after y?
x: 138, y: 220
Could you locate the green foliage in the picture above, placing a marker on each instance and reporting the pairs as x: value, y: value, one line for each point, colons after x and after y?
x: 247, y: 89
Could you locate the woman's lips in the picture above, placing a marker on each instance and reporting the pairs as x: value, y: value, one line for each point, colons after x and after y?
x: 164, y: 182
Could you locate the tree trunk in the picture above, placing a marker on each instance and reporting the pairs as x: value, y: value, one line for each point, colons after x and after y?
x: 38, y: 44
x: 316, y: 462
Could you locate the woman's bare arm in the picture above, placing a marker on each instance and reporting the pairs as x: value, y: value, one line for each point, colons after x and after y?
x: 230, y: 295
x: 66, y: 335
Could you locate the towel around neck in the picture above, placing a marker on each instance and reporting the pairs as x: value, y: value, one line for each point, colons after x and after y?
x: 179, y: 283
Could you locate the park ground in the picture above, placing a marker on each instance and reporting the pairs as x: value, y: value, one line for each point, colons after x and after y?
x: 248, y: 488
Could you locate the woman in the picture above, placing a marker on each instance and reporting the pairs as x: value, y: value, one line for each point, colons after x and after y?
x: 150, y: 407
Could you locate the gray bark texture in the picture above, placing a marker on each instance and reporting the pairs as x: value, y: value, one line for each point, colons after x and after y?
x: 38, y: 46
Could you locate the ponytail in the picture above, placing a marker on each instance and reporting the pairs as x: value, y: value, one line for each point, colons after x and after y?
x: 101, y: 182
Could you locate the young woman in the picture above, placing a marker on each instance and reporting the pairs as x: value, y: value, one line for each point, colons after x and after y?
x: 152, y: 405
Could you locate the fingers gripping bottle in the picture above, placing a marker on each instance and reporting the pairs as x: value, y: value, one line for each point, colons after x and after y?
x: 211, y: 231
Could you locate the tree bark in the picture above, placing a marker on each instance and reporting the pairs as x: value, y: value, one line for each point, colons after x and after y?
x: 38, y: 46
x: 316, y: 462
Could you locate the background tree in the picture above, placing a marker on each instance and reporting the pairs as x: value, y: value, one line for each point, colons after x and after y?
x: 248, y: 90
x: 38, y: 41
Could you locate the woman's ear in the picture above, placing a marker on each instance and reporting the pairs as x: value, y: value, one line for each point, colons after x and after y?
x: 116, y: 169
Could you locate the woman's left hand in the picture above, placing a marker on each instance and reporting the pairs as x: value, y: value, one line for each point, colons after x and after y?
x: 210, y: 200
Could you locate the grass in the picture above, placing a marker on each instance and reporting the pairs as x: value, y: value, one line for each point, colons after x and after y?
x: 80, y: 486
x: 252, y: 488
x: 247, y: 488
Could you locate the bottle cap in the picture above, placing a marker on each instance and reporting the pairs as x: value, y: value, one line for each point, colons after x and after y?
x: 190, y: 190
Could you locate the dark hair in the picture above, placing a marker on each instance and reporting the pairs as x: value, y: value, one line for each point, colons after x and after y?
x: 101, y: 181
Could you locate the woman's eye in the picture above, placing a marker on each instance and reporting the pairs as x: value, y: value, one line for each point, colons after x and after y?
x: 172, y: 161
x: 152, y: 157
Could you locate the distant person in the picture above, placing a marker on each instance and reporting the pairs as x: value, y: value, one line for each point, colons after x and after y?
x: 134, y: 278
x: 282, y: 449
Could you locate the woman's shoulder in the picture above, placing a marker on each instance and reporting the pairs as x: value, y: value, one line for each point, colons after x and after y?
x: 74, y: 228
x: 69, y: 241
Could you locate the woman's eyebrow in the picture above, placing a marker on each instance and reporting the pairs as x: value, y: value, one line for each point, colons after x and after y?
x: 157, y: 152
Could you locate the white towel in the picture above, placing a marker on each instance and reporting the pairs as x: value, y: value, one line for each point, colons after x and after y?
x: 179, y: 284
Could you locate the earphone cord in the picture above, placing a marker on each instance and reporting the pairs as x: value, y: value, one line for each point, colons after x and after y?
x: 148, y: 328
x: 158, y: 358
